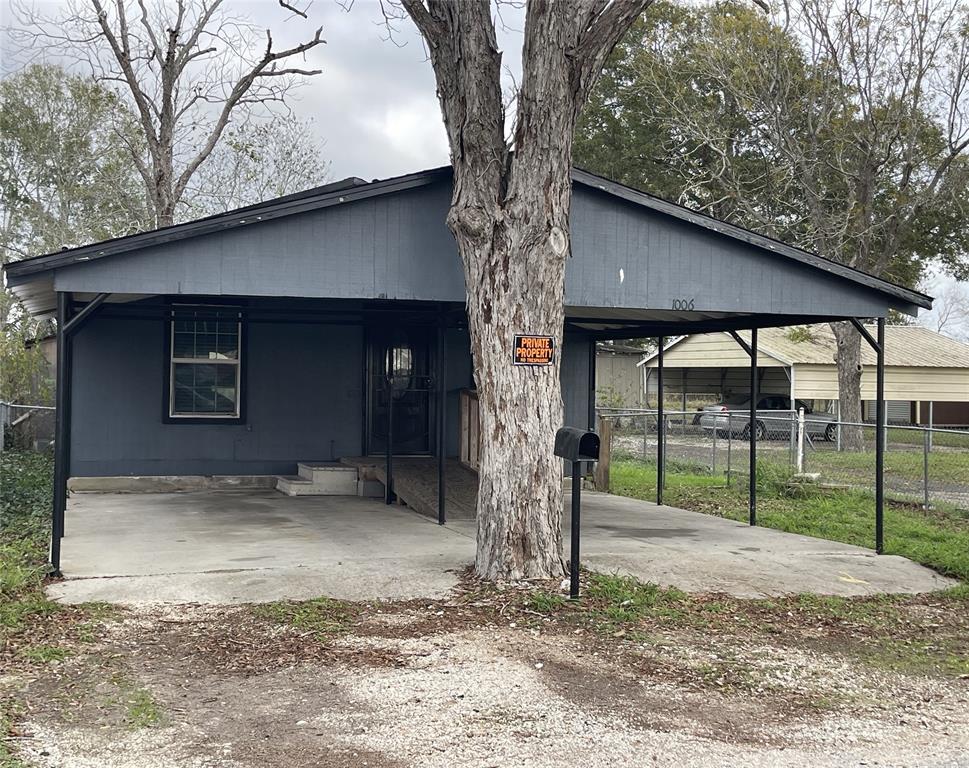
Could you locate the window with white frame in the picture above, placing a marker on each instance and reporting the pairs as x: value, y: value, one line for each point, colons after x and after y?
x: 205, y: 363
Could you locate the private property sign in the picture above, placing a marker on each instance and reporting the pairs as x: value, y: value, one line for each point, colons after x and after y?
x: 534, y: 350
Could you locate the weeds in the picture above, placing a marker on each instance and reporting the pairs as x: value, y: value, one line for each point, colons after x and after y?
x: 323, y: 616
x: 624, y: 599
x: 141, y: 709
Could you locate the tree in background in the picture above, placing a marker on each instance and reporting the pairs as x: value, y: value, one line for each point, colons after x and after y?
x: 65, y: 180
x: 255, y: 161
x: 186, y: 69
x: 65, y: 177
x: 841, y: 128
x: 950, y: 309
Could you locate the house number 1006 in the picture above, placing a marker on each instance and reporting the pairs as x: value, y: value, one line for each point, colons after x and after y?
x: 683, y: 304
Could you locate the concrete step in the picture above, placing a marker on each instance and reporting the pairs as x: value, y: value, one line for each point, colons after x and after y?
x: 325, y: 471
x: 320, y: 479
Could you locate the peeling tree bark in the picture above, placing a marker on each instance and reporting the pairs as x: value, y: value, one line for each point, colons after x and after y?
x: 510, y: 217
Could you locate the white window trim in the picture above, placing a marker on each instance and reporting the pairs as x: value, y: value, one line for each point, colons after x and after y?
x: 172, y: 361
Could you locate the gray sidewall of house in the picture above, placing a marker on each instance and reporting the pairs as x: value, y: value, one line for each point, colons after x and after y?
x: 303, y: 389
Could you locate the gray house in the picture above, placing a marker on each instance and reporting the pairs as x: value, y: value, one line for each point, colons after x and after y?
x: 243, y: 343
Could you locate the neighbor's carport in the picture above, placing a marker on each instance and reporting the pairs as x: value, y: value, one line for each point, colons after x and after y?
x: 926, y: 373
x: 639, y: 266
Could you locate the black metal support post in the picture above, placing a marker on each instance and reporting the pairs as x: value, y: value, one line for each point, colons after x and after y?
x: 878, y: 344
x: 660, y: 426
x: 754, y: 397
x: 89, y: 309
x: 574, y: 549
x: 62, y: 433
x: 441, y: 417
x: 389, y: 453
x: 880, y: 440
x: 592, y: 384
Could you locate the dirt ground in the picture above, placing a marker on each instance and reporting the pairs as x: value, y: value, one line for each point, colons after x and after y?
x: 499, y: 679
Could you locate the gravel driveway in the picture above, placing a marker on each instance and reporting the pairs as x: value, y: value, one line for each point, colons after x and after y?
x: 446, y: 683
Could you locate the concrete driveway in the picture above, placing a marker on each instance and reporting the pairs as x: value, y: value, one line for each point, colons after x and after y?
x: 252, y: 546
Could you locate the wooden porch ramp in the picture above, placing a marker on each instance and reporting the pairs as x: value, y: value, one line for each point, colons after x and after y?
x: 415, y: 483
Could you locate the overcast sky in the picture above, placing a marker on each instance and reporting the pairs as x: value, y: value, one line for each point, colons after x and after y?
x: 374, y: 103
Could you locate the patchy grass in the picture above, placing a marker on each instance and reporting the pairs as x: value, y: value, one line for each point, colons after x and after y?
x: 623, y: 599
x: 918, y: 635
x: 545, y: 602
x: 141, y: 709
x: 8, y: 714
x: 44, y: 654
x: 323, y: 617
x: 938, y: 539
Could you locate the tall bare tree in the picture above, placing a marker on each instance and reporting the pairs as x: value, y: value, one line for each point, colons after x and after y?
x: 950, y: 310
x: 187, y: 68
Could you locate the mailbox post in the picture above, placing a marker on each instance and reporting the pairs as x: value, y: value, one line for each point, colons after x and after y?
x: 576, y: 445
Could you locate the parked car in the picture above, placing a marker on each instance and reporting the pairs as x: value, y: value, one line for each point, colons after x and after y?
x: 775, y: 418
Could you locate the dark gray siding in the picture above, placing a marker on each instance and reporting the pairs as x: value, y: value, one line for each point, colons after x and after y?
x: 303, y: 390
x: 393, y: 247
x: 303, y: 393
x: 625, y: 256
x: 398, y: 247
x: 459, y: 376
x: 575, y: 382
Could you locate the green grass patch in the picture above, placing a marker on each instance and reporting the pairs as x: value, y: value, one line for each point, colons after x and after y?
x: 322, y: 616
x: 141, y: 709
x: 938, y: 539
x: 942, y: 656
x: 624, y: 599
x: 944, y: 466
x: 545, y: 602
x: 44, y: 654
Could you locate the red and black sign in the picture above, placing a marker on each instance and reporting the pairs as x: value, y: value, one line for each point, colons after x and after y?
x: 534, y: 350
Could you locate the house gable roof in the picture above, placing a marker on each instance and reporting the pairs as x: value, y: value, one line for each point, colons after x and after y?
x: 618, y: 250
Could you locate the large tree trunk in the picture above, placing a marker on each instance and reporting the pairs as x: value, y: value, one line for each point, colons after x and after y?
x: 848, y: 358
x: 510, y: 217
x: 518, y: 283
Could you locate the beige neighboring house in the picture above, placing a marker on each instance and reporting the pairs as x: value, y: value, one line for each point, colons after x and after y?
x: 619, y: 379
x: 926, y: 373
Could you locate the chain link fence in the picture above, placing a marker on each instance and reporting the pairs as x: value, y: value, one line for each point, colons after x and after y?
x: 923, y: 466
x: 26, y: 427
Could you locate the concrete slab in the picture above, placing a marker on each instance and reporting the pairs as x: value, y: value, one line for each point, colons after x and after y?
x: 235, y: 546
x: 232, y: 547
x: 703, y: 553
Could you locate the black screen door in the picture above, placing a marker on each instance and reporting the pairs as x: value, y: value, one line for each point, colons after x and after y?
x: 399, y: 373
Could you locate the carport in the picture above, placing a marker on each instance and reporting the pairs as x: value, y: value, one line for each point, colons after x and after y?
x: 248, y: 342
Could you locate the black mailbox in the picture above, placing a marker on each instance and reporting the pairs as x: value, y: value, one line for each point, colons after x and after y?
x: 577, y: 444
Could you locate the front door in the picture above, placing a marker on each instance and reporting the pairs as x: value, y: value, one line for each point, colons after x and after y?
x: 399, y: 383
